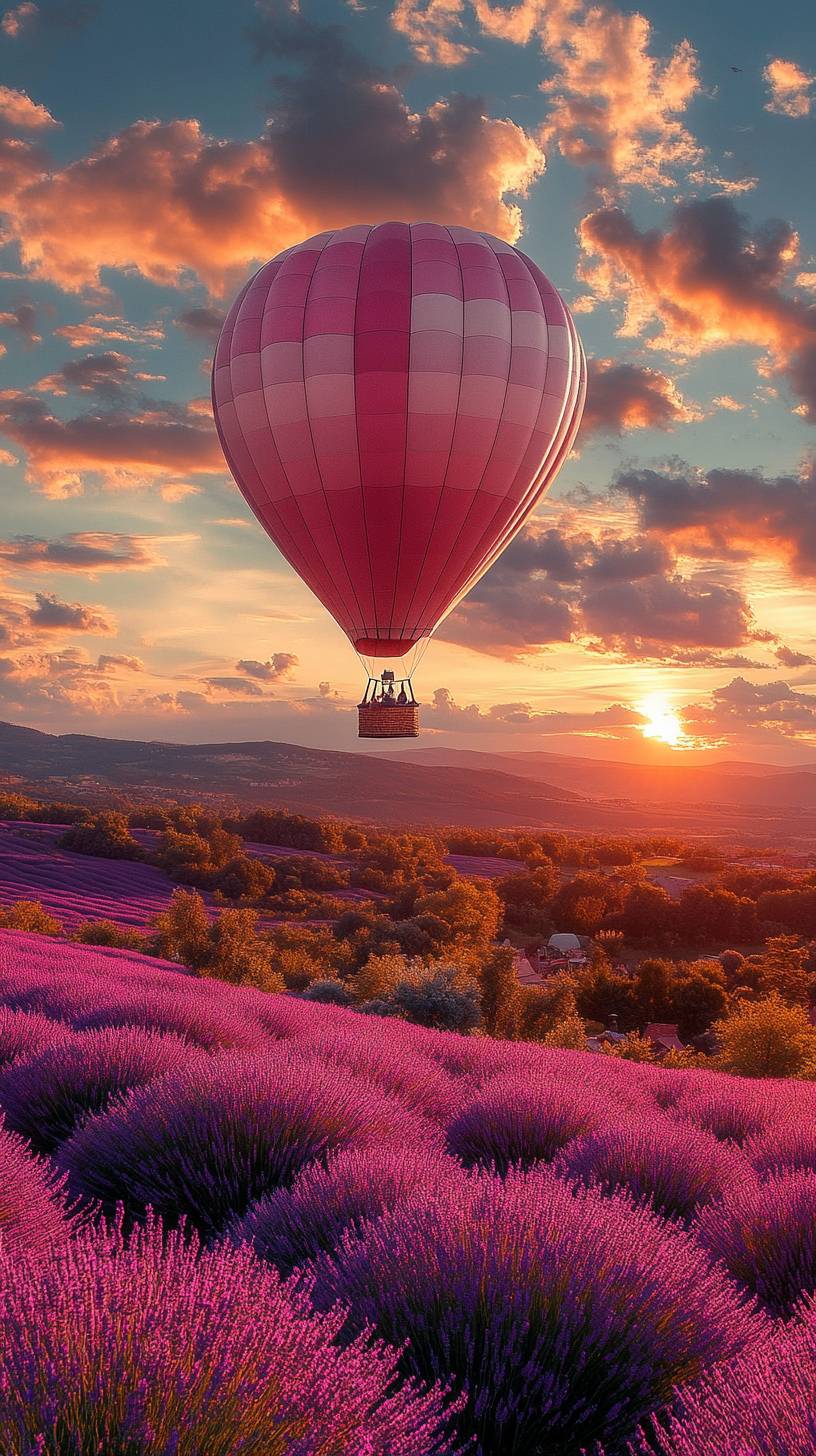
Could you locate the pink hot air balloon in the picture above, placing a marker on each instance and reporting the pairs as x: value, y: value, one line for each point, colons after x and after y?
x: 392, y: 402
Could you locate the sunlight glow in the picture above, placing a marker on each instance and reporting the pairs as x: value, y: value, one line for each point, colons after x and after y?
x: 663, y: 724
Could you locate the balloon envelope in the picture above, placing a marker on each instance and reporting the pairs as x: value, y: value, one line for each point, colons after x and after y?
x: 392, y: 402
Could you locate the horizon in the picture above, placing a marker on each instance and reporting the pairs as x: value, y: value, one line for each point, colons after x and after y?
x: 656, y: 607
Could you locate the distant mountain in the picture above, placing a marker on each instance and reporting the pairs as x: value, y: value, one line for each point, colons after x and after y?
x: 743, y: 786
x: 425, y: 786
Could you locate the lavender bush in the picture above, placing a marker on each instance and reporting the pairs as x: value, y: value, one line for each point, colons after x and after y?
x: 760, y: 1405
x: 24, y: 1033
x: 33, y: 1216
x: 519, y: 1122
x: 564, y: 1317
x: 677, y: 1169
x: 46, y: 1096
x: 296, y: 1224
x: 765, y: 1234
x: 151, y: 1346
x: 209, y: 1140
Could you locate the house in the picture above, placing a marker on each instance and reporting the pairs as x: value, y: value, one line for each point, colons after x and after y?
x: 663, y: 1037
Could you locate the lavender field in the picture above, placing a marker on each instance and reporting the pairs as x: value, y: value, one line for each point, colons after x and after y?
x: 238, y: 1222
x: 75, y: 887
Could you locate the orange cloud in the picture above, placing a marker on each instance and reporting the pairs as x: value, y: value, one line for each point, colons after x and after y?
x: 124, y: 449
x: 707, y: 282
x: 105, y: 328
x: 791, y: 88
x: 19, y: 113
x: 630, y: 397
x: 173, y: 202
x: 432, y: 28
x: 19, y: 19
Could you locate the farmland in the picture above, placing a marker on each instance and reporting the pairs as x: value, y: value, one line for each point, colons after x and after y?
x: 409, y: 1244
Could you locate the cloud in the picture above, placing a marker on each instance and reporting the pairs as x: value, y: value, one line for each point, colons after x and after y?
x: 173, y: 202
x: 19, y: 113
x: 622, y: 397
x: 108, y: 328
x: 84, y: 551
x: 281, y: 664
x: 615, y: 107
x: 729, y: 514
x: 19, y: 20
x: 106, y: 375
x: 240, y: 686
x: 434, y: 30
x: 201, y: 323
x: 741, y: 709
x: 614, y: 594
x: 706, y: 282
x: 445, y: 714
x: 791, y: 88
x: 123, y: 449
x: 23, y: 320
x: 110, y: 662
x: 789, y: 658
x: 50, y: 615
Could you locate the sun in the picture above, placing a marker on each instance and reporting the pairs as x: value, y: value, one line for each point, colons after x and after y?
x: 663, y: 723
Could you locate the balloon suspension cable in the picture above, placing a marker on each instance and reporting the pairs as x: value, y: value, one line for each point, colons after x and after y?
x: 408, y: 665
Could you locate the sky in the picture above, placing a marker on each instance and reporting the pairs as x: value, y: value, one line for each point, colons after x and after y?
x: 658, y: 164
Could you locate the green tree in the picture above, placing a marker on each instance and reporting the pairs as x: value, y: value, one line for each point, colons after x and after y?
x: 653, y: 987
x: 699, y: 996
x: 500, y: 991
x: 31, y: 916
x: 568, y: 1034
x: 766, y: 1039
x: 106, y: 834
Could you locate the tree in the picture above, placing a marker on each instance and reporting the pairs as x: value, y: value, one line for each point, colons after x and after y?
x: 471, y: 912
x: 500, y: 990
x: 653, y: 986
x: 526, y: 897
x: 784, y: 967
x: 107, y: 932
x: 633, y: 1048
x: 440, y: 1001
x: 542, y: 1007
x: 699, y: 996
x: 766, y: 1039
x: 648, y: 914
x: 379, y: 977
x: 602, y: 992
x: 183, y: 930
x: 30, y: 916
x: 106, y: 834
x: 569, y: 1035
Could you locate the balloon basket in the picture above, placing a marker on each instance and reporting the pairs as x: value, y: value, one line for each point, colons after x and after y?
x: 388, y: 720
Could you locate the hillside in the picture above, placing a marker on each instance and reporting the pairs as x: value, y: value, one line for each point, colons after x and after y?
x: 424, y: 785
x: 295, y: 1136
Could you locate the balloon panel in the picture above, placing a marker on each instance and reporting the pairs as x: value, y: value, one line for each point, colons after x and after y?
x: 392, y: 402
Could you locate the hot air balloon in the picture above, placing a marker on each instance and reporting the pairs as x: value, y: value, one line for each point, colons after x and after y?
x: 392, y: 402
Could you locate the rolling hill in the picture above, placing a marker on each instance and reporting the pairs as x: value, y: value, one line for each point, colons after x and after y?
x: 425, y: 786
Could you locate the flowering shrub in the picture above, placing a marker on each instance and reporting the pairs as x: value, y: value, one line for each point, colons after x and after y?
x: 516, y: 1121
x: 564, y: 1317
x: 24, y: 1033
x: 33, y: 1218
x: 676, y: 1168
x: 561, y: 1310
x: 784, y: 1146
x: 152, y: 1346
x: 44, y: 1097
x: 761, y: 1405
x: 209, y: 1140
x: 295, y: 1224
x: 765, y: 1234
x: 733, y: 1111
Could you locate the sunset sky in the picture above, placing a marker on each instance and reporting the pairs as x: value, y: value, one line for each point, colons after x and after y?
x: 658, y: 165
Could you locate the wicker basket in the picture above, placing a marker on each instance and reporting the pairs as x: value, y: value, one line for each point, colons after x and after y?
x: 388, y: 720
